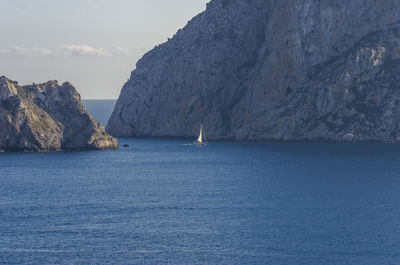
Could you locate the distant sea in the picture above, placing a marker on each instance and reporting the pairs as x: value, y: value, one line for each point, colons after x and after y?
x: 101, y: 109
x: 163, y: 202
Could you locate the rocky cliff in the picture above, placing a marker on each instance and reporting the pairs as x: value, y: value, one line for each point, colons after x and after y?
x: 269, y: 69
x: 47, y: 117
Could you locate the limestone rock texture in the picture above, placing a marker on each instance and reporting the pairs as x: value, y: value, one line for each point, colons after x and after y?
x: 47, y: 117
x: 271, y: 70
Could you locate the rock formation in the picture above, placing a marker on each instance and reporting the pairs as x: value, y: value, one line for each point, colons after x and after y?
x: 47, y: 117
x: 271, y: 69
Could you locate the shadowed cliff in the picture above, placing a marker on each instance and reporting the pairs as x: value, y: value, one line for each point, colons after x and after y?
x: 268, y: 69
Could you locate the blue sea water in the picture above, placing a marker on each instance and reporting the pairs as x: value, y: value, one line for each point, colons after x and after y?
x: 101, y: 109
x: 162, y: 202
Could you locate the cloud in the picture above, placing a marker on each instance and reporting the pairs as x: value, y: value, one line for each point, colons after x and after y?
x: 4, y: 52
x: 35, y: 51
x: 124, y: 51
x: 85, y: 50
x: 21, y: 51
x: 64, y: 50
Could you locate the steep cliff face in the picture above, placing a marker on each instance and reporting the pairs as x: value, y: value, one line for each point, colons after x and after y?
x: 355, y: 96
x: 47, y: 117
x: 269, y: 69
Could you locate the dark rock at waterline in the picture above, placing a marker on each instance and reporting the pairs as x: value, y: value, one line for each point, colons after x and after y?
x: 125, y: 145
x: 47, y: 117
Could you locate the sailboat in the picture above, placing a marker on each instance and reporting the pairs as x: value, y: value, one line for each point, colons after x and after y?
x: 201, y: 141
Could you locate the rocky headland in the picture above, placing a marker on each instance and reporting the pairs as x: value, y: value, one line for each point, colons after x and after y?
x: 272, y: 70
x: 47, y: 117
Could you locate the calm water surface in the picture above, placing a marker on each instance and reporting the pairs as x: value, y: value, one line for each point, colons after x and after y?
x: 161, y: 202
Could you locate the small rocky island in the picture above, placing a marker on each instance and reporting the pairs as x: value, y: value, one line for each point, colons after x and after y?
x: 47, y: 117
x: 272, y: 70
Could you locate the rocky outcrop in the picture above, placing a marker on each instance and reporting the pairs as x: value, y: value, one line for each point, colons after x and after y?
x: 47, y: 117
x: 268, y: 69
x: 353, y: 97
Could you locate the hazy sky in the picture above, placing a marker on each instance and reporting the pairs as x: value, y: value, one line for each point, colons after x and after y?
x: 94, y: 44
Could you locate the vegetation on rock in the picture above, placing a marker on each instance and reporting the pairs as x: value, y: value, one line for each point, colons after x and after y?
x: 47, y: 117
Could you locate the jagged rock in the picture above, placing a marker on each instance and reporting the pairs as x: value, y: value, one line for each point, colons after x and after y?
x: 47, y: 117
x: 353, y: 97
x: 269, y: 69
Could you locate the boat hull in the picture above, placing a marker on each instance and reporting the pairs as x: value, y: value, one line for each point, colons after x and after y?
x: 198, y: 144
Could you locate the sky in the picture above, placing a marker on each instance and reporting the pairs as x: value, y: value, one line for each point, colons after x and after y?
x: 94, y: 44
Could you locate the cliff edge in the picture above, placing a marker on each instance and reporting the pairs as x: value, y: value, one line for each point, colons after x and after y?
x: 269, y: 69
x: 47, y: 117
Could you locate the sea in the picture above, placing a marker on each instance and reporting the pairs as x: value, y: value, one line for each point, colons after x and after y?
x: 164, y: 201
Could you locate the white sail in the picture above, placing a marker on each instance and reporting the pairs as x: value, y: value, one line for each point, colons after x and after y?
x: 200, y: 139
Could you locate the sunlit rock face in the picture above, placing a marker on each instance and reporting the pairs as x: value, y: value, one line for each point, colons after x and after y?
x: 269, y: 69
x: 47, y: 117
